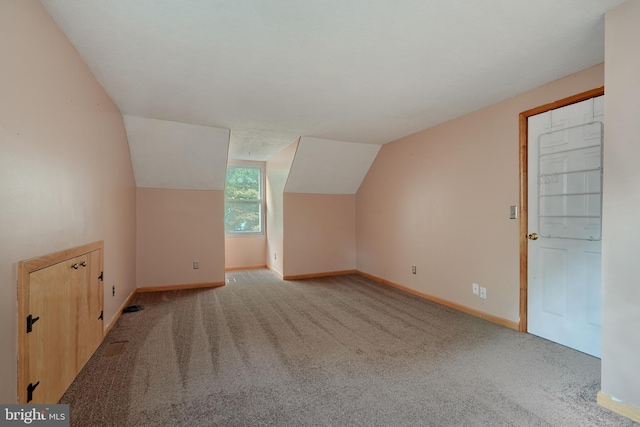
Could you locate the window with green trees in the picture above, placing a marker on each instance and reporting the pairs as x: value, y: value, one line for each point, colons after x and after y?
x: 243, y: 200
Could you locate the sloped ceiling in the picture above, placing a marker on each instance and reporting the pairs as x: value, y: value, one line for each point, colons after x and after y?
x: 364, y: 71
x: 177, y: 155
x: 329, y: 167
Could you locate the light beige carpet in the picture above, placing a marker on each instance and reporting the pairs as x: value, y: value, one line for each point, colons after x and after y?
x: 339, y: 351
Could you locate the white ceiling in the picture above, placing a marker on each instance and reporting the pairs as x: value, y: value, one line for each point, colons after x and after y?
x: 365, y: 71
x: 174, y: 155
x: 321, y: 166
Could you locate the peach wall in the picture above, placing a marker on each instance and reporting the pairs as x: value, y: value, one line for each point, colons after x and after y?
x: 621, y: 228
x: 439, y: 199
x: 245, y: 251
x: 319, y: 233
x: 277, y: 171
x: 65, y: 171
x: 175, y: 228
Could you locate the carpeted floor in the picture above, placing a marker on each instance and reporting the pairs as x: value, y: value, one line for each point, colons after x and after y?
x: 338, y: 351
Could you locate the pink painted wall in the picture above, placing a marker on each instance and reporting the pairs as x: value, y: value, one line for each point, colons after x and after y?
x: 319, y: 233
x: 621, y: 228
x: 65, y: 171
x: 245, y: 251
x: 439, y: 199
x: 175, y: 228
x: 277, y: 172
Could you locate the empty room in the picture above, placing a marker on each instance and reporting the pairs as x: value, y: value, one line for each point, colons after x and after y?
x: 320, y: 213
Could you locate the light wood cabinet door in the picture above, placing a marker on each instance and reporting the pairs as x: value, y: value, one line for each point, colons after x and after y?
x: 51, y: 344
x: 89, y: 299
x: 61, y: 322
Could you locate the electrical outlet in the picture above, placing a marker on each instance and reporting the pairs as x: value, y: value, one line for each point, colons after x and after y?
x: 113, y: 290
x: 413, y: 269
x: 196, y: 265
x: 483, y: 293
x: 476, y: 289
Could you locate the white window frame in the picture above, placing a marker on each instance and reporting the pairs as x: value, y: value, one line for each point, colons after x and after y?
x: 260, y: 200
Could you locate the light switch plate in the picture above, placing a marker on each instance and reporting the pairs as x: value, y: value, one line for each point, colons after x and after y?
x: 513, y: 212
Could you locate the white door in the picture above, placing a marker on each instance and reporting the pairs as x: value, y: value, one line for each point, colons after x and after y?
x: 564, y: 214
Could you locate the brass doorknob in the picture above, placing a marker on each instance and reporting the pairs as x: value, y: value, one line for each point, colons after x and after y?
x: 533, y: 236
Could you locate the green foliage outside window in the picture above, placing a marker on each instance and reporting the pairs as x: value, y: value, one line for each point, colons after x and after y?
x: 243, y: 200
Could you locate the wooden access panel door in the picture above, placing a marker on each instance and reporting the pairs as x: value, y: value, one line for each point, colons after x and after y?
x: 51, y: 342
x: 89, y: 302
x: 61, y: 322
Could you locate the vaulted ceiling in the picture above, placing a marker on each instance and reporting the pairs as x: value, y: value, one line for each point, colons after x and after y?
x: 357, y: 71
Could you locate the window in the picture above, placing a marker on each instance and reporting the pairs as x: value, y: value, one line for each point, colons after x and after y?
x: 243, y: 200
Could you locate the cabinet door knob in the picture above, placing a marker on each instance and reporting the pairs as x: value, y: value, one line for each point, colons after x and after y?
x: 83, y: 263
x: 75, y: 266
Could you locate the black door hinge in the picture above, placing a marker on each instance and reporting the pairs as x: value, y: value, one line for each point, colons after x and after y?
x: 30, y: 388
x: 101, y: 317
x: 30, y: 321
x: 101, y: 276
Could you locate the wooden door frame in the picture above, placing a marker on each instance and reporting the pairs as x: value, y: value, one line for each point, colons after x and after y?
x: 524, y: 176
